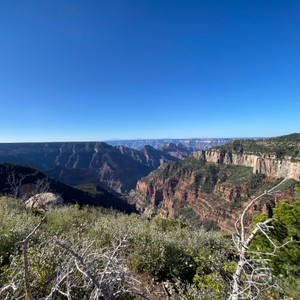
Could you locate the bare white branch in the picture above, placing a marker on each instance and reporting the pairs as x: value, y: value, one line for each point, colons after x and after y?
x: 252, y: 273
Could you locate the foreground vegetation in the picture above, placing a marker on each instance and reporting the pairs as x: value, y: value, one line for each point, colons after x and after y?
x: 94, y: 253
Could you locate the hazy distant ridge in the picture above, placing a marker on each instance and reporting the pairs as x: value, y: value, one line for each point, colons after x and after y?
x: 194, y: 143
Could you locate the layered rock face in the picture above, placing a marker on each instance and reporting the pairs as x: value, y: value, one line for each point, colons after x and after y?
x: 180, y: 151
x: 213, y: 186
x: 201, y: 193
x: 116, y: 168
x: 267, y: 164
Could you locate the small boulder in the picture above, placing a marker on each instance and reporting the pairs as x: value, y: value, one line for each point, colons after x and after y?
x: 44, y: 201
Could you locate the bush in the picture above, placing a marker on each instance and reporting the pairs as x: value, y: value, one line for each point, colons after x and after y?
x: 15, y: 224
x: 164, y: 248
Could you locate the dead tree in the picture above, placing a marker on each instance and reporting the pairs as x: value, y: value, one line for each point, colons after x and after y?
x: 19, y: 190
x: 252, y: 275
x: 15, y: 181
x: 82, y: 271
x: 84, y: 267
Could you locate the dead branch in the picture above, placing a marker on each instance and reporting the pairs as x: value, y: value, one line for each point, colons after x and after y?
x: 107, y: 281
x: 252, y: 275
x: 24, y: 244
x: 15, y: 182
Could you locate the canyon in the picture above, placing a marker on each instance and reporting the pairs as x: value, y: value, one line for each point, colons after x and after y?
x: 115, y: 168
x: 202, y: 188
x: 212, y: 187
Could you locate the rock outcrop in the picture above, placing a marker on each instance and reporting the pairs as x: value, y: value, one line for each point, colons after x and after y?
x: 267, y: 164
x: 44, y: 201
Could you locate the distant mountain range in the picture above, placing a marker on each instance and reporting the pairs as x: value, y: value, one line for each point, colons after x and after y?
x: 115, y: 168
x: 192, y: 144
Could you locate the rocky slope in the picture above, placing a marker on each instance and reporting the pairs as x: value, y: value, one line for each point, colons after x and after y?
x: 180, y: 151
x: 211, y: 187
x: 116, y: 168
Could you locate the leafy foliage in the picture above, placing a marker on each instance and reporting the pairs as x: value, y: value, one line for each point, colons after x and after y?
x: 15, y: 224
x: 165, y: 249
x: 192, y: 264
x: 286, y: 225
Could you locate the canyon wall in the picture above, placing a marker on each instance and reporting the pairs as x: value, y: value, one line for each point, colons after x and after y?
x: 116, y: 168
x: 267, y: 164
x: 211, y: 188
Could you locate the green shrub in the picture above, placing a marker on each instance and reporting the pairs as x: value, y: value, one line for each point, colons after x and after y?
x: 286, y: 224
x: 166, y: 224
x: 15, y: 224
x: 162, y: 258
x: 164, y: 248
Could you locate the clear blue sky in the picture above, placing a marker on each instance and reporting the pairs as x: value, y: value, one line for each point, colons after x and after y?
x: 75, y: 70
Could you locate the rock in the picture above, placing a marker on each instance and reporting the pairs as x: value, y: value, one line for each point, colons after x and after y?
x: 266, y: 164
x: 43, y: 201
x: 199, y: 194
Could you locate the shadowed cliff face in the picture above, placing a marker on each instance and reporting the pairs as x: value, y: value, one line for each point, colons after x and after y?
x: 24, y: 182
x: 117, y: 168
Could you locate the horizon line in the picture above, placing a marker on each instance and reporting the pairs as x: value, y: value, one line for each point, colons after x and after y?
x: 123, y: 140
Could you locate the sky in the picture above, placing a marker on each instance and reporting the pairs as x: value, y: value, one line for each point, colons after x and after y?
x: 93, y: 70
